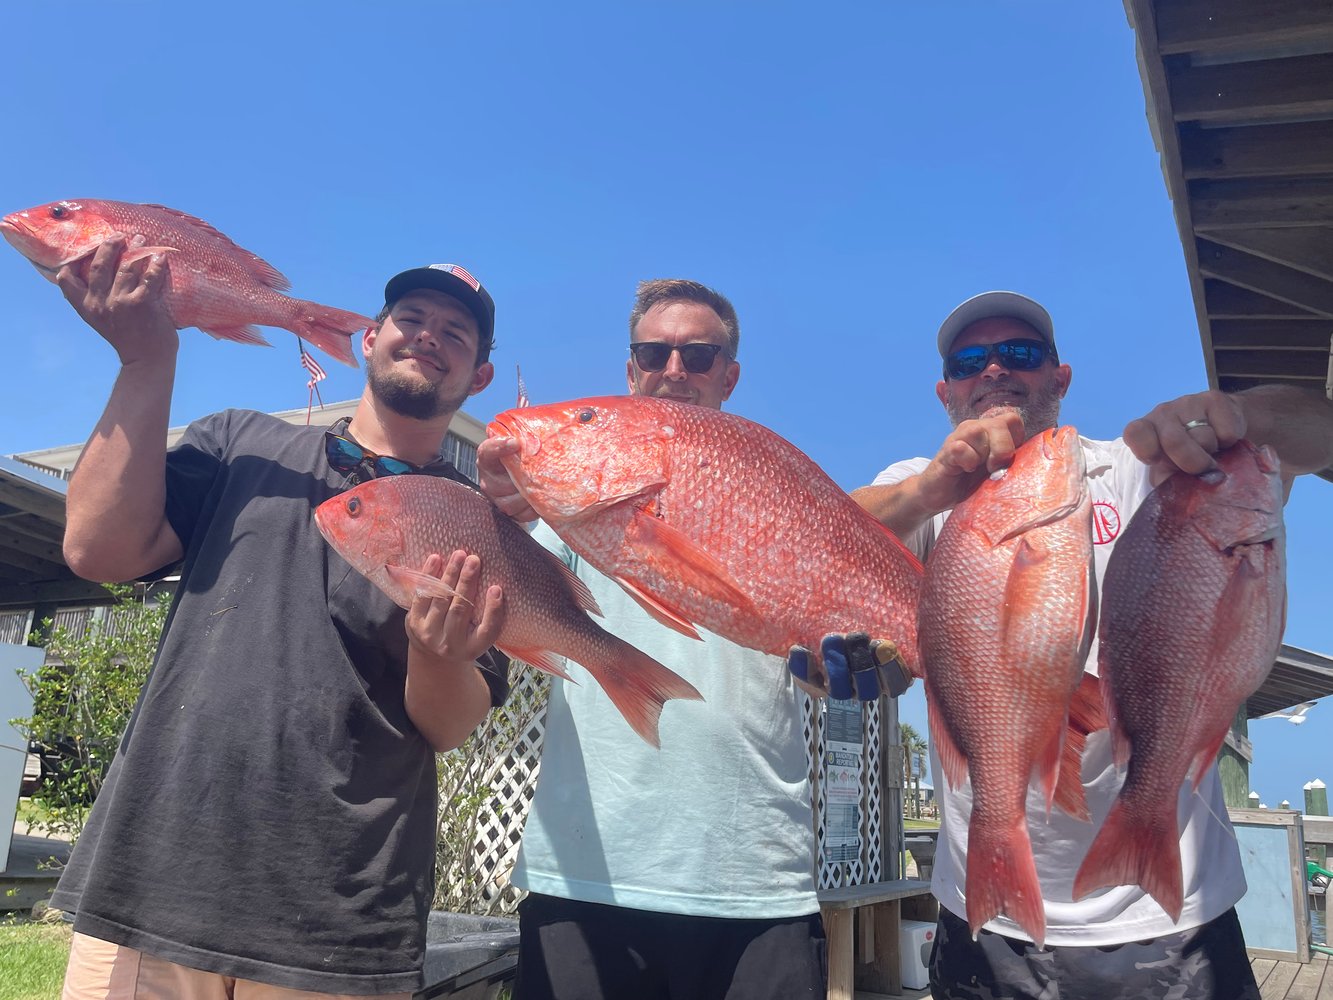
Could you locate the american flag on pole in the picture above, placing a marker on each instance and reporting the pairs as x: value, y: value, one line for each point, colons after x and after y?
x: 523, y: 399
x: 317, y: 375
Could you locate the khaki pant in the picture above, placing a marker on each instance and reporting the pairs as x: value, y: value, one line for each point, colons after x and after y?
x: 100, y: 970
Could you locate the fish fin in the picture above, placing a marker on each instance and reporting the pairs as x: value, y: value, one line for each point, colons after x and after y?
x: 1203, y: 760
x: 582, y: 595
x: 1009, y: 518
x: 1070, y: 798
x: 639, y: 686
x: 329, y: 329
x: 694, y: 567
x: 658, y: 610
x: 1018, y: 612
x: 1046, y: 768
x: 1136, y: 850
x: 256, y: 265
x: 1087, y: 713
x: 1002, y: 878
x: 951, y: 758
x: 240, y: 334
x: 421, y: 584
x: 538, y: 659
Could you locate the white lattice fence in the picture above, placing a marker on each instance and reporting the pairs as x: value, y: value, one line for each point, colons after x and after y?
x: 506, y: 760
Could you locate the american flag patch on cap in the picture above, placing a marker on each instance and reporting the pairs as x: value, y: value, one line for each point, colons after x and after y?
x: 459, y: 272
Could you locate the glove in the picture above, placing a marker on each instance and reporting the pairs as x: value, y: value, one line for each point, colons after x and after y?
x: 854, y: 666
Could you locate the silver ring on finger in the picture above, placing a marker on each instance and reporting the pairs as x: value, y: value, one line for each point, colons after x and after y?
x: 1191, y: 424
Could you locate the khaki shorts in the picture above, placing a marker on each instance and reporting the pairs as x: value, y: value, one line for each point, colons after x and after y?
x: 100, y: 970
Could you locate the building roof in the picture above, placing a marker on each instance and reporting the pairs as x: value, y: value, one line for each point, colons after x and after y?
x: 1240, y: 101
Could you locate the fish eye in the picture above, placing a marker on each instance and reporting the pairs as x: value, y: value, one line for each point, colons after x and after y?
x: 354, y: 506
x: 586, y: 415
x: 59, y: 211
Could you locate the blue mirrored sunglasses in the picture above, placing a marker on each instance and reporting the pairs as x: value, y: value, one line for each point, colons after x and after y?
x: 346, y: 455
x: 1019, y: 355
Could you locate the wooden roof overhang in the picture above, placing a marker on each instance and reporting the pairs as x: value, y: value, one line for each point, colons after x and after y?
x: 1240, y: 100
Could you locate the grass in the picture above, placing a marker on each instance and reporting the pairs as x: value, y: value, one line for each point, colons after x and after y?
x: 921, y: 824
x: 32, y: 959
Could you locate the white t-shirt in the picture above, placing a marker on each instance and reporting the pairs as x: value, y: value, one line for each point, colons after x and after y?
x: 716, y: 823
x: 1213, y: 879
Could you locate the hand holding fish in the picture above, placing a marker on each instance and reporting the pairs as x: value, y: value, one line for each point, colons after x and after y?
x: 495, y: 480
x: 443, y: 691
x: 121, y: 297
x: 1184, y: 434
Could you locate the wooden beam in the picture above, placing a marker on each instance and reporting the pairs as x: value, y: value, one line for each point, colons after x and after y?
x: 33, y: 499
x: 1265, y: 277
x: 1226, y: 301
x: 1312, y: 335
x: 1267, y: 90
x: 1247, y: 204
x: 1309, y: 251
x: 1272, y: 364
x: 1221, y: 26
x: 33, y: 566
x: 65, y: 592
x: 1299, y: 149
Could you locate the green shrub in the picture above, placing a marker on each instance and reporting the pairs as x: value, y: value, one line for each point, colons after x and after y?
x: 82, y: 699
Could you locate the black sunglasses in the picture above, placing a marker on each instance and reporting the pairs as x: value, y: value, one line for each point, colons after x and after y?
x: 652, y: 356
x: 346, y: 455
x: 1016, y: 355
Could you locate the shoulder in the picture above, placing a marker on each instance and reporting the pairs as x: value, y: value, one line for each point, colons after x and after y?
x: 899, y: 471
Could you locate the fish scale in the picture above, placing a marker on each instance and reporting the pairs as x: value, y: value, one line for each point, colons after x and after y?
x: 1006, y: 619
x: 712, y: 521
x: 1193, y: 610
x: 386, y: 529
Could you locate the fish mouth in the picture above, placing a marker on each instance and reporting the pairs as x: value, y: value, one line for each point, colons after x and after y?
x: 505, y: 425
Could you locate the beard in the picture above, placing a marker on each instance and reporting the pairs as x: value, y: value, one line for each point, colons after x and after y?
x: 1040, y: 411
x: 409, y: 396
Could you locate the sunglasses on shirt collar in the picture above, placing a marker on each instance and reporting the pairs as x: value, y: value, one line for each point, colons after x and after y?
x: 345, y: 455
x: 1018, y: 355
x: 653, y: 356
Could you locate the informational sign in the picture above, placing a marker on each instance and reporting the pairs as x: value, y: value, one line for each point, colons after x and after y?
x: 842, y: 780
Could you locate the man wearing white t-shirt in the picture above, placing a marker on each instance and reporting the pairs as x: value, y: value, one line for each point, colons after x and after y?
x: 1003, y: 383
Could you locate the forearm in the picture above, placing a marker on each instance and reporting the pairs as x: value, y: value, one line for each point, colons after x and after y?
x: 445, y: 699
x: 116, y: 526
x: 1296, y: 423
x: 900, y: 507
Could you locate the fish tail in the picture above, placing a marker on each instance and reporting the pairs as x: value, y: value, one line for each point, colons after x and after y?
x: 639, y: 686
x: 1134, y: 849
x: 329, y: 329
x: 1069, y: 795
x: 1002, y: 878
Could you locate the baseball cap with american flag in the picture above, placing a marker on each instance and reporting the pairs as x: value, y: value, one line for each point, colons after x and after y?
x: 452, y: 279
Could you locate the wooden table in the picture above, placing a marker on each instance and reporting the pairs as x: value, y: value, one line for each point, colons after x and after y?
x: 870, y: 915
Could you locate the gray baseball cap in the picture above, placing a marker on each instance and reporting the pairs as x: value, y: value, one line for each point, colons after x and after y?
x: 989, y: 304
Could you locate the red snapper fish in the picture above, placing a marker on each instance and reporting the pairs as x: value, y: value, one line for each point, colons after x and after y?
x: 1008, y: 607
x: 1193, y: 607
x: 213, y: 284
x: 387, y: 527
x: 707, y: 519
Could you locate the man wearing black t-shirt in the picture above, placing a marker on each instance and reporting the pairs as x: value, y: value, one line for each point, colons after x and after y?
x: 268, y: 823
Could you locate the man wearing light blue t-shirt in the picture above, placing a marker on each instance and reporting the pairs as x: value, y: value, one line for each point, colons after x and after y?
x: 685, y: 872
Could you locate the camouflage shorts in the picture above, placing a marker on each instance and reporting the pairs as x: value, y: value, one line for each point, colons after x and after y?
x: 1206, y: 963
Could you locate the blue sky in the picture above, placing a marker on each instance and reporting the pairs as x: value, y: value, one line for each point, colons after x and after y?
x: 845, y: 173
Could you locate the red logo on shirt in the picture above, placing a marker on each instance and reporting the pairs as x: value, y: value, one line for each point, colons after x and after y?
x: 1105, y: 522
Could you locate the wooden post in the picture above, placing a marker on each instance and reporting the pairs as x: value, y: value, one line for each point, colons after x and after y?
x: 1316, y: 804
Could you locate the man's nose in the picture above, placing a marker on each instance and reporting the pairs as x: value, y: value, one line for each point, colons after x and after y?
x: 675, y: 367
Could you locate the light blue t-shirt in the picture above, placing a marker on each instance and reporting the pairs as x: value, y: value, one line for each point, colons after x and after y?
x: 716, y: 823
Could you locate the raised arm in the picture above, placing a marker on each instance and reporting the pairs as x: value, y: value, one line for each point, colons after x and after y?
x: 116, y: 525
x: 974, y: 450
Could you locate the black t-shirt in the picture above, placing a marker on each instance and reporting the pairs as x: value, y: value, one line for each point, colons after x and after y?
x: 271, y: 812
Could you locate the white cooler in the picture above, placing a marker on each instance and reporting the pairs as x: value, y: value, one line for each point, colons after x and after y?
x: 915, y: 939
